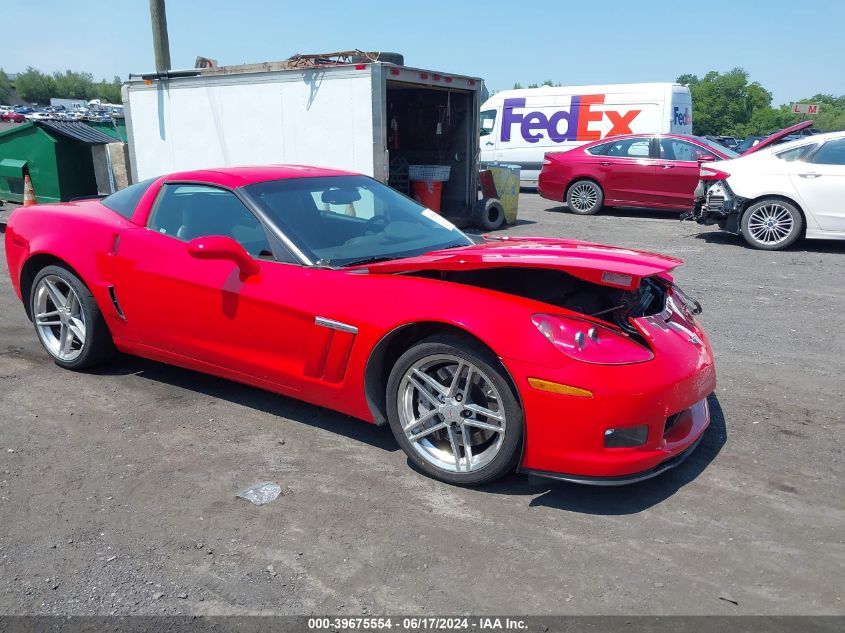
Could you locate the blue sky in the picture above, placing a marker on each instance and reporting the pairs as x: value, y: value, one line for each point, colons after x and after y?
x: 795, y: 49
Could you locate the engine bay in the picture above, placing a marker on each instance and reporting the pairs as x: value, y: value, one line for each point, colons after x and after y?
x: 616, y: 306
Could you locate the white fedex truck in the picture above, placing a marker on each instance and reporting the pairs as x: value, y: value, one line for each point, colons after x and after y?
x: 519, y: 126
x: 372, y: 118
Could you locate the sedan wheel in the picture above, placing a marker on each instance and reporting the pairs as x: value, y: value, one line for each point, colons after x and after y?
x: 772, y: 224
x: 454, y: 415
x: 584, y: 197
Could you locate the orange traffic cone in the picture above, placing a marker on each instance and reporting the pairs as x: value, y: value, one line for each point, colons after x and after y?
x: 28, y: 192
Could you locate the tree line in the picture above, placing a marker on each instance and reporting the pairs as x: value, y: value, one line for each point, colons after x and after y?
x: 33, y: 86
x: 732, y: 105
x: 728, y: 103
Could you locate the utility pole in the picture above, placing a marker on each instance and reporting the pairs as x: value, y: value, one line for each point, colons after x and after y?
x: 161, y: 43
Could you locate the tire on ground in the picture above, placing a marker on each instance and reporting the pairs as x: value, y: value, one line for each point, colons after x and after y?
x: 99, y: 344
x: 753, y: 224
x: 488, y: 214
x: 584, y: 197
x: 505, y: 461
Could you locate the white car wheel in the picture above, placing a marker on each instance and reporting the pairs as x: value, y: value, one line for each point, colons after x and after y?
x: 772, y: 224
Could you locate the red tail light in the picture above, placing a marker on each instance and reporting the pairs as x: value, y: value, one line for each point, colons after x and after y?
x: 708, y: 173
x: 549, y: 159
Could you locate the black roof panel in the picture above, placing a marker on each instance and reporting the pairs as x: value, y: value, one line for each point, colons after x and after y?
x: 77, y: 130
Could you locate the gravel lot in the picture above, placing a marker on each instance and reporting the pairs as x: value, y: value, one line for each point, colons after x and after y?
x: 117, y: 487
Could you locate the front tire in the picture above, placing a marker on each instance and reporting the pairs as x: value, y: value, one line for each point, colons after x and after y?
x: 584, y: 197
x: 67, y: 319
x: 453, y: 411
x: 772, y: 224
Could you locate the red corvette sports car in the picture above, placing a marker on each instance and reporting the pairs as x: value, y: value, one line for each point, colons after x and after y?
x: 563, y: 358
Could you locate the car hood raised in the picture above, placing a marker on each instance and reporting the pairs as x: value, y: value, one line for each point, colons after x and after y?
x: 772, y: 138
x: 596, y: 263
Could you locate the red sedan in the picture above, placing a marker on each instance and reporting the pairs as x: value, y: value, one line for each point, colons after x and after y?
x: 10, y: 116
x: 569, y: 359
x: 635, y: 170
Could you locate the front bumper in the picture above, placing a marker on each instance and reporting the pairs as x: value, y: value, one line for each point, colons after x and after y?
x: 716, y: 203
x: 622, y: 480
x: 565, y: 434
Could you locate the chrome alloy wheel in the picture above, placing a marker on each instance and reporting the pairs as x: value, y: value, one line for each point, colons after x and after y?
x: 584, y: 196
x: 451, y: 413
x: 59, y: 318
x: 771, y: 223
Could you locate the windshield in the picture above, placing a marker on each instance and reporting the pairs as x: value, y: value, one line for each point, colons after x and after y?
x: 488, y: 120
x: 345, y: 220
x: 718, y: 146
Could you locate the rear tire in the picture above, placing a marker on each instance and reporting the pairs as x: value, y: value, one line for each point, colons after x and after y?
x: 488, y: 214
x: 772, y: 224
x: 431, y: 414
x: 584, y: 197
x: 67, y: 320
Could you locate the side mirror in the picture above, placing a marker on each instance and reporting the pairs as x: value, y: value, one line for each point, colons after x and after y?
x: 706, y: 158
x: 219, y: 247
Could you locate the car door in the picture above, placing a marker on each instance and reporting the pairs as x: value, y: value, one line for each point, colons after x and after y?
x: 206, y: 310
x: 626, y: 171
x: 677, y: 171
x: 821, y: 184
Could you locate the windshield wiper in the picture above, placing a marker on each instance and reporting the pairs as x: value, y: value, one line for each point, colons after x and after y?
x: 368, y: 260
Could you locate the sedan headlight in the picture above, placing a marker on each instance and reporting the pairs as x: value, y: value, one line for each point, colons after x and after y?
x: 590, y: 343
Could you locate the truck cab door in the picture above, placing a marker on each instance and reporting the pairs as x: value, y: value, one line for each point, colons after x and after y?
x: 487, y: 133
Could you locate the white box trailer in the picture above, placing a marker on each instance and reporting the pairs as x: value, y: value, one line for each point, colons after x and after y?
x: 520, y: 126
x: 371, y: 118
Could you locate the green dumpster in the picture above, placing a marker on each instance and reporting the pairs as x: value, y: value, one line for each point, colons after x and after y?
x: 116, y: 128
x: 56, y: 155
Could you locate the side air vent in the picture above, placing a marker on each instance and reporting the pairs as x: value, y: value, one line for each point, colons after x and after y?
x: 117, y: 308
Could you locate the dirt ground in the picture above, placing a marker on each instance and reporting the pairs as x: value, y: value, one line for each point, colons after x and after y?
x: 117, y: 487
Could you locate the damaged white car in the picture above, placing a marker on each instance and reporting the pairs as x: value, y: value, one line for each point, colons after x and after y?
x: 777, y: 195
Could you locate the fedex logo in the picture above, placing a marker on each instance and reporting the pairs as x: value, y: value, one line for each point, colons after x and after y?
x: 681, y: 118
x: 577, y: 120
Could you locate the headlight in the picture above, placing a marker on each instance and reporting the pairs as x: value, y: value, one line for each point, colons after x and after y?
x: 590, y: 343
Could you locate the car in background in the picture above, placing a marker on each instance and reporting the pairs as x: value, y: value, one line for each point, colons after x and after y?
x: 728, y: 141
x: 10, y: 116
x: 747, y: 143
x: 39, y: 115
x: 658, y: 171
x: 775, y: 196
x: 792, y: 133
x: 568, y: 359
x: 634, y: 170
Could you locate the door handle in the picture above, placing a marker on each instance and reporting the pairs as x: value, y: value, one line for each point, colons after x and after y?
x: 489, y: 143
x: 605, y: 163
x: 810, y: 175
x: 667, y: 167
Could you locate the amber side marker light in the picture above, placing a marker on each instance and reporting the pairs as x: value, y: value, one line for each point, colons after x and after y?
x: 556, y: 387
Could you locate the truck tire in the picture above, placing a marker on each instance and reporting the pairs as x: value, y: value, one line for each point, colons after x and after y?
x: 488, y: 214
